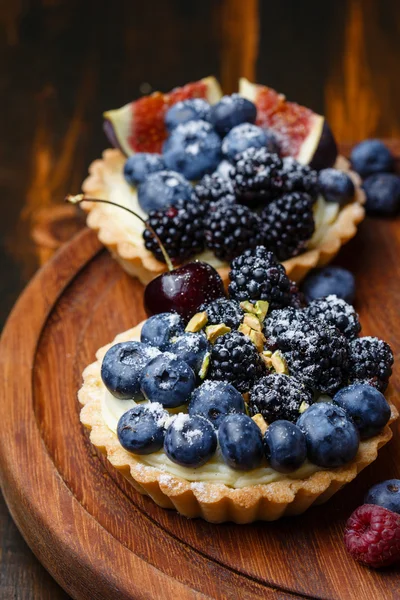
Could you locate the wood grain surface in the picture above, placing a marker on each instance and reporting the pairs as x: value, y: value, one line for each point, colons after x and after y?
x: 87, y: 525
x: 65, y: 61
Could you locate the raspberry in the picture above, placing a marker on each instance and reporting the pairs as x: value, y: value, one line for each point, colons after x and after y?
x: 372, y: 536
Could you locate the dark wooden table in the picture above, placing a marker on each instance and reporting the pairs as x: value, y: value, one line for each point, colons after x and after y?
x: 63, y: 62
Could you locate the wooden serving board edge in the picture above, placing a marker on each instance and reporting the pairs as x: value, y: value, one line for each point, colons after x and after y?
x: 85, y: 559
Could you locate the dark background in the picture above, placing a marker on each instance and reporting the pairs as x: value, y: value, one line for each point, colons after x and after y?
x: 63, y: 62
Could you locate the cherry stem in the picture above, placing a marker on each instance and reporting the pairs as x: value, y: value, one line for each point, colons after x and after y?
x: 79, y: 198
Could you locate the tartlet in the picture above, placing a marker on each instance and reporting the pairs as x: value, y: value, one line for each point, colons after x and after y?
x: 122, y: 233
x: 215, y: 502
x: 207, y: 133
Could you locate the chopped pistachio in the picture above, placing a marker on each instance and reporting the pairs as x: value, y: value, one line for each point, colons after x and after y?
x: 261, y: 422
x: 245, y: 329
x: 214, y: 331
x: 258, y: 339
x: 252, y: 321
x: 279, y: 362
x: 262, y: 307
x: 266, y: 356
x: 204, y: 365
x: 248, y: 307
x: 303, y: 407
x: 197, y: 322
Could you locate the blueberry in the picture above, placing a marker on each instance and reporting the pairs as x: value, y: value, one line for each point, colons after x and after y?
x: 383, y: 194
x: 336, y: 186
x: 285, y: 446
x: 159, y: 329
x: 366, y: 405
x: 167, y: 380
x: 231, y: 111
x: 386, y: 494
x: 241, y: 442
x: 122, y: 368
x: 247, y: 135
x: 193, y: 149
x: 327, y: 281
x: 332, y: 438
x: 194, y: 109
x: 190, y: 441
x: 141, y: 429
x: 214, y: 400
x: 142, y: 164
x: 161, y: 189
x: 192, y: 348
x: 371, y: 156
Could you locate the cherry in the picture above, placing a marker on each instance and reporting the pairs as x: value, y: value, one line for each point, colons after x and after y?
x: 183, y: 289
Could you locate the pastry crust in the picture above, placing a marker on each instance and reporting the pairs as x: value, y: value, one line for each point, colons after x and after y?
x: 139, y: 262
x: 211, y: 501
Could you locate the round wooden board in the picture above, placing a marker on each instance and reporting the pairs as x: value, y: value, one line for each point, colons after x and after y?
x: 96, y: 535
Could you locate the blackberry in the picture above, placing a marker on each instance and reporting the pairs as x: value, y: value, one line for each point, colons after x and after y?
x: 212, y: 188
x: 298, y: 300
x: 256, y: 275
x: 288, y: 224
x: 279, y: 397
x: 235, y: 359
x: 317, y: 354
x: 230, y: 229
x: 180, y: 229
x: 223, y: 311
x: 370, y: 361
x: 279, y: 322
x: 255, y: 175
x: 337, y: 312
x: 296, y: 177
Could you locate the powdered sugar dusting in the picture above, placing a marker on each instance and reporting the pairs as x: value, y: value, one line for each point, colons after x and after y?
x: 196, y: 128
x: 179, y: 421
x: 193, y: 435
x: 171, y: 182
x: 337, y: 312
x: 152, y: 352
x: 159, y: 413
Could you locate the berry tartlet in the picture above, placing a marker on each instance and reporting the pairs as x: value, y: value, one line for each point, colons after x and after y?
x: 244, y: 407
x: 215, y: 176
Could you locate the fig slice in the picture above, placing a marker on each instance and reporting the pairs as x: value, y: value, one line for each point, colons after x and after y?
x: 139, y: 125
x: 301, y: 133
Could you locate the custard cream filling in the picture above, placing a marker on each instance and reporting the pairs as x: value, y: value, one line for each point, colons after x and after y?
x: 215, y: 470
x: 120, y: 192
